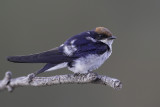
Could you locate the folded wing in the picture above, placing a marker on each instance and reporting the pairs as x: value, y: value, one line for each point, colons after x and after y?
x: 90, y: 48
x: 53, y: 56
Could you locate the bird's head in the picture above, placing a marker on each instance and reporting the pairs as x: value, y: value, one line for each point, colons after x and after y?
x: 104, y: 35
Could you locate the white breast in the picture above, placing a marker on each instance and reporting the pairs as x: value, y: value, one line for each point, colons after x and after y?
x: 89, y: 63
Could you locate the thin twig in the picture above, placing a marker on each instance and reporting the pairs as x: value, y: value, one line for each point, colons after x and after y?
x: 10, y: 84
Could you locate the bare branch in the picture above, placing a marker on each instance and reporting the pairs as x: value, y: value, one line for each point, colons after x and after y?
x: 9, y: 83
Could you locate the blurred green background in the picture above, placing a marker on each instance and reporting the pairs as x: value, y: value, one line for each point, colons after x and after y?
x: 31, y: 26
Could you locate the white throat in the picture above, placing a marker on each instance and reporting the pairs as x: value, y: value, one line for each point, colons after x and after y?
x: 108, y: 42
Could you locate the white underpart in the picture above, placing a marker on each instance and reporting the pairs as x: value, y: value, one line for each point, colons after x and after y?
x: 59, y: 66
x: 90, y: 38
x: 70, y: 49
x: 89, y: 63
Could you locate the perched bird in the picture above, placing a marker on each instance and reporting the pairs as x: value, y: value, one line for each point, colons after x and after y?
x: 81, y: 53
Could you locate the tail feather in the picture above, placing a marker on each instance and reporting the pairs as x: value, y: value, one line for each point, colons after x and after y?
x: 22, y: 59
x: 53, y: 56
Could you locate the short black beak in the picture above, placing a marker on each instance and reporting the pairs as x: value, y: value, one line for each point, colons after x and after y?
x: 112, y: 37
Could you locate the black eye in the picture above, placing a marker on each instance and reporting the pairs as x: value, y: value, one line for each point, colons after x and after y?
x: 100, y: 36
x: 103, y: 36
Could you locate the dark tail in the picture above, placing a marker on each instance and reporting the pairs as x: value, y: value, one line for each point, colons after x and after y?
x: 53, y: 56
x: 23, y: 59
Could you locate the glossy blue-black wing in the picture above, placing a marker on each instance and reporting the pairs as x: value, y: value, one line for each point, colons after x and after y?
x: 86, y: 44
x: 54, y: 56
x: 91, y: 48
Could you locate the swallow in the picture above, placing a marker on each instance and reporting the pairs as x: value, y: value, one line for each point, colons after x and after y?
x: 81, y: 53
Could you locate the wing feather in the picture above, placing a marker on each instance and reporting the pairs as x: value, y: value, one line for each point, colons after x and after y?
x: 85, y: 46
x: 53, y: 56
